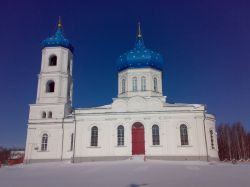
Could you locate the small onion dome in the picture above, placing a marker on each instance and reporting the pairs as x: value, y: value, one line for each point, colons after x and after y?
x: 58, y: 39
x: 140, y: 57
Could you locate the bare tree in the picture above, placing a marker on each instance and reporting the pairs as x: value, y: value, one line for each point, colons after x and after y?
x: 4, y: 154
x: 233, y: 142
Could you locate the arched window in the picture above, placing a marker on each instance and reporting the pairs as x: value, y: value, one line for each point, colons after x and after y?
x: 49, y: 114
x: 155, y: 85
x: 123, y: 85
x: 120, y: 135
x: 184, y: 134
x: 71, y: 142
x: 143, y: 83
x: 68, y: 68
x: 43, y: 114
x: 134, y: 83
x: 155, y: 135
x: 94, y: 136
x: 212, y: 138
x: 44, y: 144
x: 53, y: 60
x: 50, y: 86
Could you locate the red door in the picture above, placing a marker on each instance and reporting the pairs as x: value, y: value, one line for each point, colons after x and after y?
x: 138, y: 143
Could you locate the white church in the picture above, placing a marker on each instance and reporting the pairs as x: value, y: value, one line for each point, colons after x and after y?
x: 138, y: 122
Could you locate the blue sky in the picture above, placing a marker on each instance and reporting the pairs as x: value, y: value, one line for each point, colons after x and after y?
x: 205, y: 46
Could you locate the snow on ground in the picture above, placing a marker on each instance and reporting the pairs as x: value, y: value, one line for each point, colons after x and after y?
x: 135, y: 173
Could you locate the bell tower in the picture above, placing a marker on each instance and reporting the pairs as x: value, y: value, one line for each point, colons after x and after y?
x: 54, y: 91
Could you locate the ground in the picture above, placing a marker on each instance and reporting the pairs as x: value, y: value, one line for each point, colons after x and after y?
x: 128, y: 173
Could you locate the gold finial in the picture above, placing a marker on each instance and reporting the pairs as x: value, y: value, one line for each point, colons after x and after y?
x: 59, y: 22
x: 139, y: 30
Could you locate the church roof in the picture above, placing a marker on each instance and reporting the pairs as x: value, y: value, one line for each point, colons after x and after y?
x: 140, y: 57
x: 58, y: 39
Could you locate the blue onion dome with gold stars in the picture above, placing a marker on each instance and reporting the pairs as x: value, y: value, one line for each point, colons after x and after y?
x: 58, y: 39
x: 140, y: 57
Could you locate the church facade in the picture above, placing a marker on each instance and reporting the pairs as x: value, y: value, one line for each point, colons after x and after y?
x: 138, y: 122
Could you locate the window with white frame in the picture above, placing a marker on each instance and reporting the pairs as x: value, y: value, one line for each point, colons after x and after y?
x: 134, y: 84
x: 44, y: 143
x: 155, y: 85
x: 94, y: 136
x: 184, y: 134
x: 71, y: 141
x: 123, y: 85
x: 50, y: 86
x: 68, y: 67
x: 52, y: 60
x: 120, y: 135
x: 212, y: 138
x: 143, y: 83
x: 43, y: 114
x: 49, y: 114
x: 155, y: 135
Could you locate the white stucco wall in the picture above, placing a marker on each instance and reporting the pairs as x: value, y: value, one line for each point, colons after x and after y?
x: 168, y: 122
x: 168, y: 118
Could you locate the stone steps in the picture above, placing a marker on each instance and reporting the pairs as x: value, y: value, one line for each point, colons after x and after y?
x: 138, y: 158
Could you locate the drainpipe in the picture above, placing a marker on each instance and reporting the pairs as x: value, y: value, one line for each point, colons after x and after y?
x: 204, y: 125
x: 73, y: 159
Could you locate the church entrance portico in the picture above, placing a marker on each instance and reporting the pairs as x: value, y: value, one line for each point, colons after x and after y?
x: 138, y: 140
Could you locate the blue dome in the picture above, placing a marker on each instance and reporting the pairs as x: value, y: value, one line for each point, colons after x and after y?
x: 140, y: 57
x: 58, y: 39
